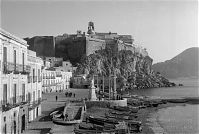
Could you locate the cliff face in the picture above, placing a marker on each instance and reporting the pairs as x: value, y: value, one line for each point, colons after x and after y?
x: 131, y: 69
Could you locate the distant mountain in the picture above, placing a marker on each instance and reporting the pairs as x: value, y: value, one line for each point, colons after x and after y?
x: 183, y: 65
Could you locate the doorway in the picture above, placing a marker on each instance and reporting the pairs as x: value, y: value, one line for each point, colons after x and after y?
x: 23, y: 123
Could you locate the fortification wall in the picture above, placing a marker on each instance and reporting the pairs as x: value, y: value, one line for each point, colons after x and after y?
x: 93, y: 44
x: 42, y: 45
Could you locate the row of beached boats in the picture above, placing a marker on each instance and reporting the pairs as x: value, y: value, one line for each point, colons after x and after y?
x: 119, y: 120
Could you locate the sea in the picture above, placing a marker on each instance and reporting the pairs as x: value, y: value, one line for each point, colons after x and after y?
x: 178, y: 119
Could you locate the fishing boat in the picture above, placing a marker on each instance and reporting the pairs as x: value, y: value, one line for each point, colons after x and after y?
x: 135, y: 126
x: 100, y: 121
x: 126, y: 109
x: 123, y: 114
x: 120, y: 117
x: 92, y: 129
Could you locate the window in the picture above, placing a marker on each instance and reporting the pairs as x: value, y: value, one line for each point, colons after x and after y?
x: 33, y: 72
x: 33, y: 95
x: 15, y: 59
x: 5, y: 58
x: 38, y: 94
x: 23, y: 92
x: 23, y: 60
x: 4, y: 93
x: 38, y: 72
x: 14, y: 93
x: 4, y: 54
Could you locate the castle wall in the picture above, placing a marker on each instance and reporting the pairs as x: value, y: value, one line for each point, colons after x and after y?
x: 93, y: 44
x: 42, y: 45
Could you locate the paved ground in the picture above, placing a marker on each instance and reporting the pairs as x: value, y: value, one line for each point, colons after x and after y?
x: 43, y: 124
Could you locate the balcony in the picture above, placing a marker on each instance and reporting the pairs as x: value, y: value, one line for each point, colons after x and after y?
x: 34, y: 104
x: 58, y: 75
x: 39, y: 78
x: 25, y: 69
x: 13, y: 102
x: 29, y: 79
x: 9, y: 67
x: 34, y: 79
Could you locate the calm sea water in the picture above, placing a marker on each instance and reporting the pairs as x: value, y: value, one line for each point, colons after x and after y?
x: 178, y: 119
x: 190, y: 89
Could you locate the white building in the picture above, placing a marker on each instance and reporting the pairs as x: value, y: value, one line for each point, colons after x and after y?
x: 34, y: 85
x: 54, y: 80
x: 13, y: 84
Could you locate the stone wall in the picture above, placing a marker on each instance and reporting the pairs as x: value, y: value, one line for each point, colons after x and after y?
x: 42, y: 45
x: 93, y: 44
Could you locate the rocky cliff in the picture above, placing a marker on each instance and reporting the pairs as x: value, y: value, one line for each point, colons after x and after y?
x: 132, y: 69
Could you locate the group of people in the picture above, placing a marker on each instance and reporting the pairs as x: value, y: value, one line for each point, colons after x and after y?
x: 67, y: 94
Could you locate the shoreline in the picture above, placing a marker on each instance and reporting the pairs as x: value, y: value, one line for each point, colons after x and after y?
x: 149, y: 118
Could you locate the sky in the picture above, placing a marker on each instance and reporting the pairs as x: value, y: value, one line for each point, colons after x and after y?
x: 164, y: 27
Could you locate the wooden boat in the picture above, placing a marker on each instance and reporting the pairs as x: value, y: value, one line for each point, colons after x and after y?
x: 126, y: 109
x: 100, y: 121
x: 119, y: 117
x: 93, y: 130
x: 75, y: 115
x: 135, y: 126
x: 155, y: 104
x: 123, y: 114
x: 126, y: 117
x: 177, y: 100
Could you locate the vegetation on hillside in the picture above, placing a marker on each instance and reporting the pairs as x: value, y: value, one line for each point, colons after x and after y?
x: 131, y: 69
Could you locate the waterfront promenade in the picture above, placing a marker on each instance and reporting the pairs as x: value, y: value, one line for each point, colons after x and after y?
x: 43, y: 124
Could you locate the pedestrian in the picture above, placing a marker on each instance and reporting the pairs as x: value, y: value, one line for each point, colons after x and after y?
x: 56, y: 97
x: 65, y: 116
x: 74, y: 95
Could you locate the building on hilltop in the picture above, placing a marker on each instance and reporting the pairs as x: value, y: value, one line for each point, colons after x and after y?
x: 75, y: 47
x: 44, y: 46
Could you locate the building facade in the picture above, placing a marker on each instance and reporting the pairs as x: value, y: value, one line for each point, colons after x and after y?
x: 34, y: 85
x: 13, y: 84
x: 55, y: 80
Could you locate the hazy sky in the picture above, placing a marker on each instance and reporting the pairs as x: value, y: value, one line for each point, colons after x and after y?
x: 165, y: 28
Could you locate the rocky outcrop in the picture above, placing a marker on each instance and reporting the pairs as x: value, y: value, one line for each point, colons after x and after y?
x: 132, y: 69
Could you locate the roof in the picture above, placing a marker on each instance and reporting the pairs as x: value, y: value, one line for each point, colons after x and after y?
x: 13, y: 37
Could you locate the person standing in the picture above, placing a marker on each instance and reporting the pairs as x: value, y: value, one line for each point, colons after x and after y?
x: 56, y: 97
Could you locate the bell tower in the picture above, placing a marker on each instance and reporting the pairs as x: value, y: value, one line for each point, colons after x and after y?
x: 91, y: 28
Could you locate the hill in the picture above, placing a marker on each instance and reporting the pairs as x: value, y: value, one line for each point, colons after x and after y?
x: 183, y: 65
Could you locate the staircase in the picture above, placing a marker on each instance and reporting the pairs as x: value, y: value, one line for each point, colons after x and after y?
x: 72, y: 111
